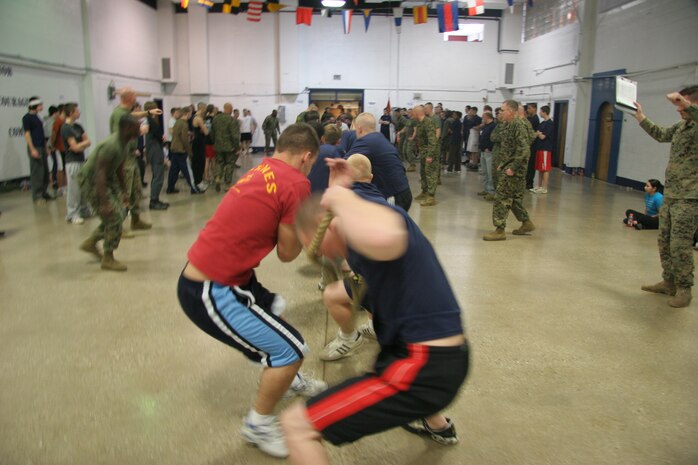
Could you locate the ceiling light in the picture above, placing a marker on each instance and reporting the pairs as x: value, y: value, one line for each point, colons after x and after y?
x: 333, y: 3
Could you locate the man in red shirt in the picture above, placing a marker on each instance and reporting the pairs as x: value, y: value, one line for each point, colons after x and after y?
x: 219, y: 291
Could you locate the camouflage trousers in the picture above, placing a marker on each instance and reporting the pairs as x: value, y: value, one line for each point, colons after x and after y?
x: 410, y: 149
x: 110, y: 227
x: 678, y: 220
x: 508, y: 196
x: 225, y: 165
x: 429, y: 175
x: 496, y: 161
x: 134, y: 189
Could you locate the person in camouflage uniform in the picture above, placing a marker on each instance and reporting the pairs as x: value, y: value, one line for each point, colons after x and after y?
x: 514, y: 151
x: 436, y: 120
x: 103, y: 184
x: 270, y: 127
x: 678, y: 217
x: 410, y: 144
x: 428, y: 153
x: 400, y: 129
x: 225, y: 133
x: 134, y: 188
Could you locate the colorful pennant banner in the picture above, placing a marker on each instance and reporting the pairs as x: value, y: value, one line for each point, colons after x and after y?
x: 304, y: 15
x: 476, y: 7
x: 346, y: 20
x: 420, y: 14
x: 367, y: 18
x: 254, y: 11
x: 447, y: 14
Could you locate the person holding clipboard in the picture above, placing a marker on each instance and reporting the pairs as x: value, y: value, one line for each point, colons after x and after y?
x: 678, y: 217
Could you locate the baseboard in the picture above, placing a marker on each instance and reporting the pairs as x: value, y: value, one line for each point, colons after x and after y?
x: 625, y: 182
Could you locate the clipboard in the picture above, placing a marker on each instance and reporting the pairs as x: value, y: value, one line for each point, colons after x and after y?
x: 626, y: 95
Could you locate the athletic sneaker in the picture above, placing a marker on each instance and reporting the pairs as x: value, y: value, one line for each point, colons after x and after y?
x: 268, y: 437
x: 305, y: 386
x: 446, y: 437
x: 340, y: 348
x: 76, y: 220
x: 540, y: 190
x: 366, y: 330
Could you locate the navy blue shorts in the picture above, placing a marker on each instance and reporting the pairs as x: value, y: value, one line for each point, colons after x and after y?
x: 241, y: 317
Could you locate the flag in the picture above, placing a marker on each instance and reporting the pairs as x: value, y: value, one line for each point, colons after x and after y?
x: 206, y: 3
x: 390, y: 109
x: 476, y: 7
x: 227, y: 8
x: 367, y: 19
x: 511, y: 6
x: 346, y: 20
x: 356, y: 2
x: 325, y: 13
x: 235, y: 3
x: 419, y: 13
x: 448, y: 16
x: 275, y: 7
x: 184, y: 3
x: 397, y: 13
x: 304, y: 15
x: 254, y: 11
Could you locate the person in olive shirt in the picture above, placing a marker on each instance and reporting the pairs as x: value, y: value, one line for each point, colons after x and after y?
x: 225, y: 132
x: 76, y: 142
x: 514, y: 151
x: 103, y: 183
x: 678, y: 217
x: 428, y: 153
x: 180, y: 149
x: 271, y: 129
x: 133, y: 181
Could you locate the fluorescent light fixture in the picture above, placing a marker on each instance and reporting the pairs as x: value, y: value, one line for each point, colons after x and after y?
x: 333, y: 3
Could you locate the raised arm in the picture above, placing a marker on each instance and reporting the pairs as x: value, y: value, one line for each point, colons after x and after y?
x: 656, y: 132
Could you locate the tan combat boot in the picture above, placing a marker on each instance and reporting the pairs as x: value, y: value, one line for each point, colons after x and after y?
x: 412, y: 168
x: 496, y: 235
x: 682, y: 298
x: 526, y: 227
x: 89, y: 245
x: 127, y: 234
x: 138, y: 223
x: 489, y: 197
x: 421, y: 196
x: 430, y: 201
x: 662, y: 287
x: 109, y: 263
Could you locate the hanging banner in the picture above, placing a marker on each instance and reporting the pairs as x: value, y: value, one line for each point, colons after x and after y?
x: 447, y: 14
x: 346, y: 20
x: 476, y: 7
x: 367, y: 18
x: 275, y: 7
x: 254, y: 11
x: 397, y: 13
x: 420, y: 14
x: 304, y: 15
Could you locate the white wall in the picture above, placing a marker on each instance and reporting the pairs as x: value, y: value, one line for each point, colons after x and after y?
x: 649, y: 36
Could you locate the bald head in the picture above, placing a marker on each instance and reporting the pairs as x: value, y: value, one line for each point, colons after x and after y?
x: 418, y: 112
x: 228, y: 108
x: 362, y: 167
x: 127, y: 96
x: 364, y: 124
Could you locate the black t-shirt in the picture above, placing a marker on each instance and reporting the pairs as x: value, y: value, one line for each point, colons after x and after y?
x: 534, y: 120
x: 76, y: 131
x: 388, y: 172
x: 32, y: 123
x: 547, y: 128
x: 385, y: 128
x: 410, y: 296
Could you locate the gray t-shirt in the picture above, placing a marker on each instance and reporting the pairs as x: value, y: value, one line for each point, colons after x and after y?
x: 76, y: 131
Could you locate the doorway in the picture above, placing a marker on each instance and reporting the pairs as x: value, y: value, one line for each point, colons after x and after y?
x: 560, y: 122
x: 603, y: 151
x: 351, y: 100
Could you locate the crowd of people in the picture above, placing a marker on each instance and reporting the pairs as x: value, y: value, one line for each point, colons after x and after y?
x: 356, y: 171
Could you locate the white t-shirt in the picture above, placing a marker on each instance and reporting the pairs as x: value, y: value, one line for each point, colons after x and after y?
x: 246, y: 123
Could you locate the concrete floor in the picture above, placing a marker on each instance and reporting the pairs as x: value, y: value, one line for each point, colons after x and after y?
x: 572, y: 363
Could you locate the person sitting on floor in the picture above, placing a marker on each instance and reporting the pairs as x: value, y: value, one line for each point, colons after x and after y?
x: 653, y: 201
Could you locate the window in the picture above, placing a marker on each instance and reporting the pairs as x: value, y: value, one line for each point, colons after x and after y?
x: 467, y: 32
x: 547, y: 15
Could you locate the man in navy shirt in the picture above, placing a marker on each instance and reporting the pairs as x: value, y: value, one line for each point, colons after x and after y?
x: 423, y: 360
x: 388, y: 172
x: 319, y: 174
x: 36, y: 148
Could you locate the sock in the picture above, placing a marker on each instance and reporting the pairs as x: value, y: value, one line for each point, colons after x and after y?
x: 257, y: 419
x: 354, y: 335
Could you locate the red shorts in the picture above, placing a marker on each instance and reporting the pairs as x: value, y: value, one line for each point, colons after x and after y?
x: 210, y: 153
x: 544, y: 160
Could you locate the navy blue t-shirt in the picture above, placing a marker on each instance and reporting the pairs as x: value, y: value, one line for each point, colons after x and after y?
x: 346, y: 141
x: 410, y: 297
x: 319, y: 175
x: 547, y: 128
x: 388, y: 173
x: 32, y: 123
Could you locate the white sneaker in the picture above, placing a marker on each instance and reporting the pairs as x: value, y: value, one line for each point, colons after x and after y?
x: 202, y: 186
x: 76, y: 220
x: 305, y: 386
x: 541, y: 191
x: 268, y: 437
x: 340, y: 348
x: 533, y: 189
x: 366, y: 330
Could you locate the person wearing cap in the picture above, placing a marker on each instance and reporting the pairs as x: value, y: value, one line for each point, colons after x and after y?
x: 36, y: 149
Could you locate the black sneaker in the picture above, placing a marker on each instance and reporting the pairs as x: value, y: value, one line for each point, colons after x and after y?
x: 172, y: 191
x: 155, y: 205
x: 47, y: 196
x: 446, y: 437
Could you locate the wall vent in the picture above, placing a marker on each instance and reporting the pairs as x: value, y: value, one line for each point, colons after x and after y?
x: 509, y: 73
x: 166, y: 69
x: 337, y: 77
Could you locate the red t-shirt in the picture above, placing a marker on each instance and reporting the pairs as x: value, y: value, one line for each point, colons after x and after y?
x: 245, y: 226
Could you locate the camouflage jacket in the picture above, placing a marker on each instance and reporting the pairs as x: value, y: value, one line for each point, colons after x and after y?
x: 225, y: 133
x: 427, y: 144
x: 682, y: 171
x: 515, y: 145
